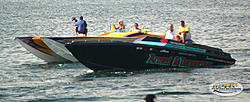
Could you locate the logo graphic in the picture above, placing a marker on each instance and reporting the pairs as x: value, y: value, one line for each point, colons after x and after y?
x: 226, y: 88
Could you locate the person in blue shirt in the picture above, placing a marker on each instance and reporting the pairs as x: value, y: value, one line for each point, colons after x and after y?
x: 81, y: 26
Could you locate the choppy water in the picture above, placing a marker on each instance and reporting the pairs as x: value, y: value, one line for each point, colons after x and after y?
x: 223, y: 24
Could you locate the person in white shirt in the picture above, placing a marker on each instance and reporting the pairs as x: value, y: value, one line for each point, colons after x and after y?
x: 170, y: 34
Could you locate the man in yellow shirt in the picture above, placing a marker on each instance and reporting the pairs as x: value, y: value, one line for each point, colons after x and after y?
x: 184, y: 33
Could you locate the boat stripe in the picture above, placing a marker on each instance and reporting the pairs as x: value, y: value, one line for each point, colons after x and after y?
x: 172, y: 46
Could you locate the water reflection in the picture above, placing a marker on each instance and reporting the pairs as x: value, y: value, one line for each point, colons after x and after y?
x: 49, y: 66
x: 126, y: 73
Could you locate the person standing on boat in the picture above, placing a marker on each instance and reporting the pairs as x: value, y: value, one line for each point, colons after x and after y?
x: 170, y: 34
x: 121, y: 25
x: 81, y: 27
x: 75, y: 27
x: 184, y: 33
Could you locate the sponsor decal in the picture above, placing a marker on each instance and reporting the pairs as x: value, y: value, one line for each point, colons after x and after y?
x: 177, y: 43
x: 139, y: 48
x: 226, y: 88
x: 164, y: 51
x: 176, y: 61
x: 144, y: 48
x: 218, y: 60
x: 186, y: 48
x: 150, y: 49
x: 187, y: 54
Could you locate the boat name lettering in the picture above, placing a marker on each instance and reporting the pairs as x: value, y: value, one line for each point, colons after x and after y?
x: 183, y: 62
x: 176, y: 61
x: 159, y: 60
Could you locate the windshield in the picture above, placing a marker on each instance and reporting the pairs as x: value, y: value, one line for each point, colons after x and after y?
x: 122, y: 30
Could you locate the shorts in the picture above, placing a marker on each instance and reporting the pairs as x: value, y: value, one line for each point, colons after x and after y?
x: 84, y: 32
x: 188, y: 36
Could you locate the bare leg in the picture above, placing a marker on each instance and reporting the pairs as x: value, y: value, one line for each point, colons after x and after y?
x: 177, y: 38
x: 86, y: 32
x: 183, y: 37
x: 76, y: 31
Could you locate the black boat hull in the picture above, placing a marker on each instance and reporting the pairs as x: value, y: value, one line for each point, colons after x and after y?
x: 130, y: 56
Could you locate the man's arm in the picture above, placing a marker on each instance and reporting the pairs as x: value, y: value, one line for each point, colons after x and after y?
x: 186, y: 29
x: 76, y: 24
x: 180, y: 31
x: 184, y: 32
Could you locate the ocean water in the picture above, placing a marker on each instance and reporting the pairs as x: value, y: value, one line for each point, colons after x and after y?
x: 223, y: 24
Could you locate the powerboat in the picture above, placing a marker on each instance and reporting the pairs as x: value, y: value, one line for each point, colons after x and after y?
x: 52, y: 49
x: 147, y: 53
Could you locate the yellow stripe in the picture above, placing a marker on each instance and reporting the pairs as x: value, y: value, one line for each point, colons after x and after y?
x: 39, y: 42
